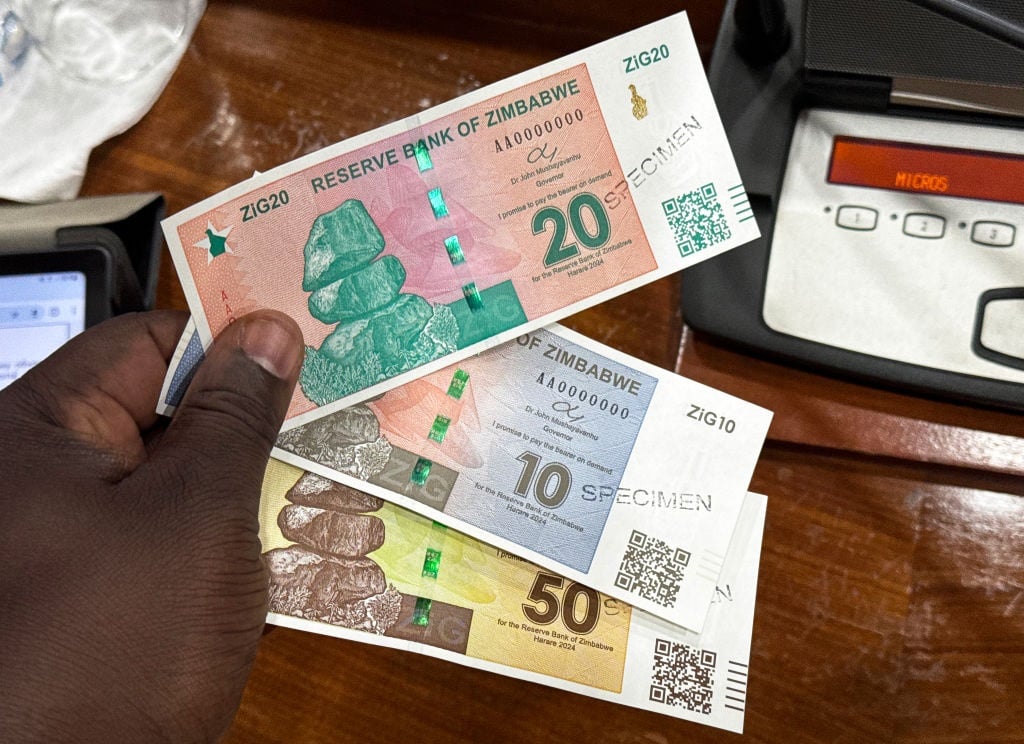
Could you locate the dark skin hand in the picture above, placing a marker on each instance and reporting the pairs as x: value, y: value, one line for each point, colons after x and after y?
x: 132, y: 593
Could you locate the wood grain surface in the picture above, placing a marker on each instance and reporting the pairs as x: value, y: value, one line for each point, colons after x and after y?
x: 891, y: 594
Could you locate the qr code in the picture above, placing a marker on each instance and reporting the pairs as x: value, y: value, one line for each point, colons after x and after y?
x: 683, y: 676
x: 697, y: 219
x: 652, y: 569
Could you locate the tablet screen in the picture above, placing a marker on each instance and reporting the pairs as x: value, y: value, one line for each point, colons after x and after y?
x: 38, y: 313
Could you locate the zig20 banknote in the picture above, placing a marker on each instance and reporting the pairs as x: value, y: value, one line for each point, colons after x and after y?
x: 538, y: 446
x: 346, y: 564
x: 422, y: 242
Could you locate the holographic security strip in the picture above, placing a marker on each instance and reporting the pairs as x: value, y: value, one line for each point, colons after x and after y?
x: 421, y: 612
x: 431, y: 568
x: 437, y: 202
x: 431, y: 563
x: 473, y: 298
x: 458, y: 384
x: 422, y: 152
x: 421, y: 471
x: 432, y: 556
x: 454, y: 248
x: 439, y: 428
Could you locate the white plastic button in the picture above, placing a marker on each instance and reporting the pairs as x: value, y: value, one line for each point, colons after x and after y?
x: 996, y: 234
x: 920, y: 225
x: 857, y: 218
x: 1002, y: 327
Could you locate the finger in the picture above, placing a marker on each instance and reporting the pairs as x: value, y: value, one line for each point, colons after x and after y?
x: 223, y: 430
x: 103, y: 384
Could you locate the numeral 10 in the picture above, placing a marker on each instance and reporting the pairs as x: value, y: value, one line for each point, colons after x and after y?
x: 550, y: 485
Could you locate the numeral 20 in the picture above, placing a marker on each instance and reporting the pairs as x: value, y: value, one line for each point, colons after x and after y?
x: 541, y: 593
x: 572, y: 219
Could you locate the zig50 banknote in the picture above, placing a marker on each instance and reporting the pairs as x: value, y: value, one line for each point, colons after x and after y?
x: 346, y: 564
x: 422, y: 242
x: 537, y: 446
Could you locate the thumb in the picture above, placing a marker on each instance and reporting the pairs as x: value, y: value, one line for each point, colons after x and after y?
x: 224, y: 428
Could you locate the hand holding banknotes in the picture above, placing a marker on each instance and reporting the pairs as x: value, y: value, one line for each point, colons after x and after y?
x: 134, y: 594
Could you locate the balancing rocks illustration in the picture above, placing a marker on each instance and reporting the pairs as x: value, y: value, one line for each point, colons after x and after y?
x: 380, y: 331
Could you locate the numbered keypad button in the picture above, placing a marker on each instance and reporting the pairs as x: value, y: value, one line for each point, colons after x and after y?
x: 920, y: 225
x: 857, y: 218
x: 996, y: 234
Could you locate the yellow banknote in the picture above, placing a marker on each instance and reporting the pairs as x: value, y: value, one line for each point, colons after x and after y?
x: 345, y: 563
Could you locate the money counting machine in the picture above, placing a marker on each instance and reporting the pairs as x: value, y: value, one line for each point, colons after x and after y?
x: 882, y: 146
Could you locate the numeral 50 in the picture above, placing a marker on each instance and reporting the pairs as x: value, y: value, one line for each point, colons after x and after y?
x: 549, y: 605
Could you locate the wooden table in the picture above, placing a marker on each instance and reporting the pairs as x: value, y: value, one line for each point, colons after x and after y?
x: 891, y: 594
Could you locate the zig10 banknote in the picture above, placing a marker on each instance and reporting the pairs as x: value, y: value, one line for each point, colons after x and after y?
x: 427, y: 240
x: 538, y: 446
x: 347, y: 564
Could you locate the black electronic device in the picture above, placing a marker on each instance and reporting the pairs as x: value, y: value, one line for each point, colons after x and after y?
x: 67, y: 266
x: 881, y: 143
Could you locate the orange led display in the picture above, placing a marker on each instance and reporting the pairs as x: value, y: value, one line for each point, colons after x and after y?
x: 944, y: 171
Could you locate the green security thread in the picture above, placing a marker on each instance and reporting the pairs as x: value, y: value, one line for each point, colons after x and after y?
x: 473, y: 298
x: 423, y: 160
x: 431, y: 563
x: 454, y: 248
x: 421, y: 471
x: 439, y: 428
x: 437, y: 203
x: 421, y: 613
x: 458, y: 384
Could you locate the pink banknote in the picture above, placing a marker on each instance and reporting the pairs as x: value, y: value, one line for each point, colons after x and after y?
x: 430, y: 239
